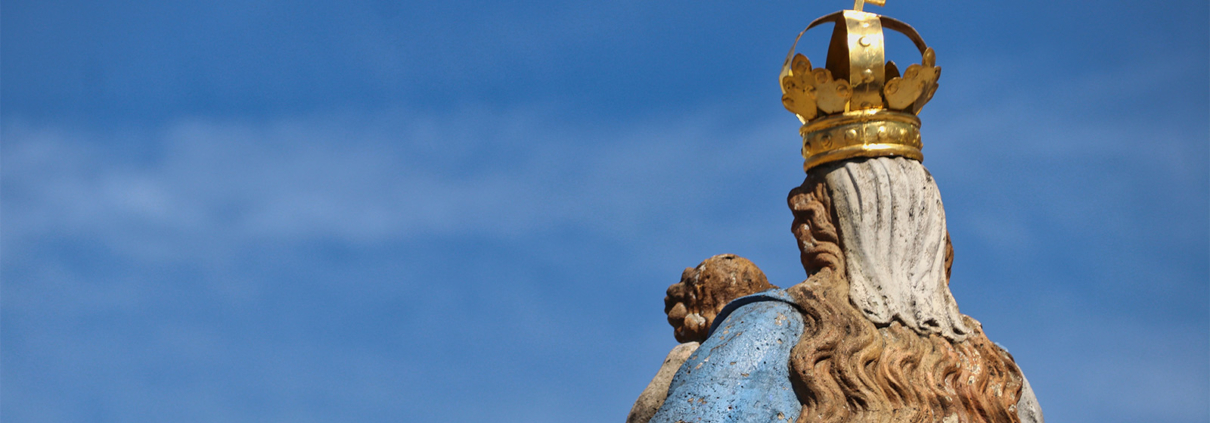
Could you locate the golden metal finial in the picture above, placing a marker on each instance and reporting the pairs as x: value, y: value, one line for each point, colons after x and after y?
x: 859, y: 3
x: 858, y: 104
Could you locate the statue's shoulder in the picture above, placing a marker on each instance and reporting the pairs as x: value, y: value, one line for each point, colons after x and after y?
x: 775, y: 295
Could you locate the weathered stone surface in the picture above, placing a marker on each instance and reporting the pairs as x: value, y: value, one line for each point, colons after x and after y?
x: 653, y: 397
x: 1027, y: 408
x: 847, y: 368
x: 882, y: 339
x: 692, y: 303
x: 892, y: 229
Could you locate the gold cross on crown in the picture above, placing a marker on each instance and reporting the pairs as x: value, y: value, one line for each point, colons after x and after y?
x: 859, y: 3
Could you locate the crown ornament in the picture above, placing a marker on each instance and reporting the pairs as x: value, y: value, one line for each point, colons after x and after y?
x: 858, y: 104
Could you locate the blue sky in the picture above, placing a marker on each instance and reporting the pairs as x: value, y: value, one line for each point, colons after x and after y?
x: 389, y: 211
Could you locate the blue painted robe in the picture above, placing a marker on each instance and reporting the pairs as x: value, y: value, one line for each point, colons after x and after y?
x: 741, y: 374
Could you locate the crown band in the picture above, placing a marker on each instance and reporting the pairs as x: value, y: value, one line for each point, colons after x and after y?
x: 867, y: 133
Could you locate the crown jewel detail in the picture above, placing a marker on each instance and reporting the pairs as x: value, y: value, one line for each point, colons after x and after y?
x: 858, y: 104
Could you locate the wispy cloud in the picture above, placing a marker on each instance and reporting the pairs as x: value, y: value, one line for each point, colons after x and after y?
x: 394, y: 174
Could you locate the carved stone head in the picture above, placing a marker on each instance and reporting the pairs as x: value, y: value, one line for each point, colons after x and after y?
x: 693, y: 302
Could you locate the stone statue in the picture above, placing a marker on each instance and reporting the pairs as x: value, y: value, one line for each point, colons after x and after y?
x: 873, y: 334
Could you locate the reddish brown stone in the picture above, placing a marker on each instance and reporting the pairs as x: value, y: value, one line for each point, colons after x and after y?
x: 692, y: 303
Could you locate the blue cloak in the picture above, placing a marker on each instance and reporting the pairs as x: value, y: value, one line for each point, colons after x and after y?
x: 741, y: 374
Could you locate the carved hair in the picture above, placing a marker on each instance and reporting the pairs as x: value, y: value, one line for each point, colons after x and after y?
x: 693, y: 303
x: 847, y: 368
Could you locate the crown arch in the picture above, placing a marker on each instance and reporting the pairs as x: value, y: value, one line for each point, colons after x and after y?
x: 839, y: 57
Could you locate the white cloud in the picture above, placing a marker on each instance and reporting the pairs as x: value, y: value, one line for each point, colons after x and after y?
x: 394, y: 175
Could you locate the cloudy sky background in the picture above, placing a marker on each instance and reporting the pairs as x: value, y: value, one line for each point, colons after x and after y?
x: 388, y: 211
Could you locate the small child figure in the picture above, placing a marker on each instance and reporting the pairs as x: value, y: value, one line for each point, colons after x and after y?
x: 692, y: 305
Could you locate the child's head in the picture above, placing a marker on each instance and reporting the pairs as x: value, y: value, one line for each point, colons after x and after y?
x: 692, y: 303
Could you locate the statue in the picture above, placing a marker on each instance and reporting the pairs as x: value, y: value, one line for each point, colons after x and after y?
x: 873, y: 334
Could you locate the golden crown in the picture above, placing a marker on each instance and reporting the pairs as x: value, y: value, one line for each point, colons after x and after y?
x: 858, y: 104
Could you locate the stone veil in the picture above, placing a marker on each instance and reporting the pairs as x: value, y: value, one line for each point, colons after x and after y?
x: 892, y: 228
